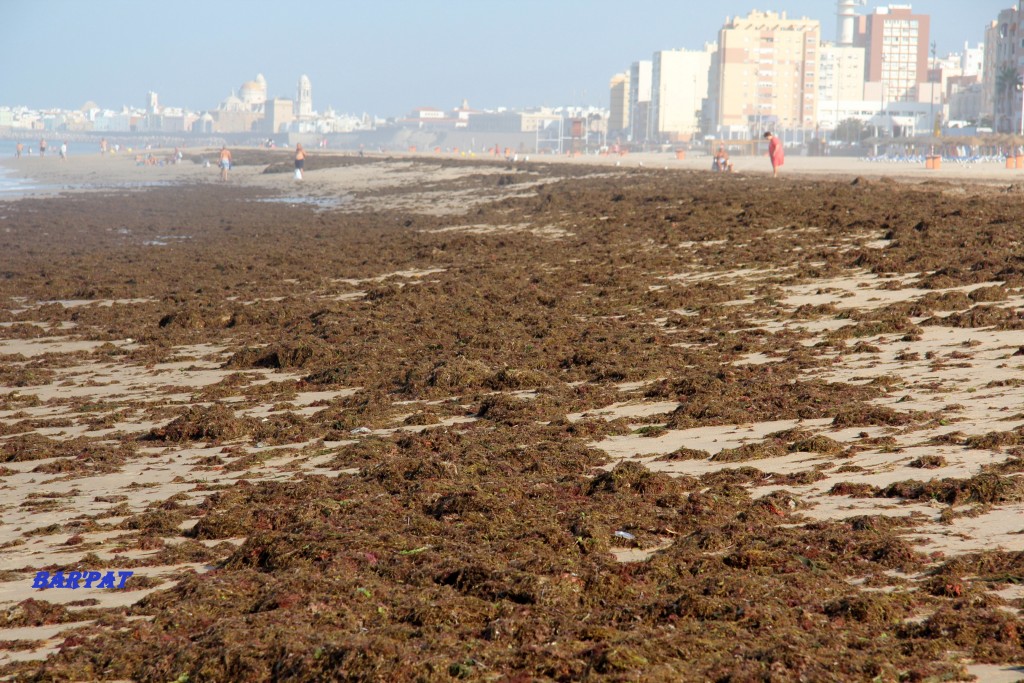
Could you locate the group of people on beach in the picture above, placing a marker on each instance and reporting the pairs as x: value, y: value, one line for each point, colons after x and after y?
x: 720, y: 163
x: 153, y: 160
x: 105, y: 147
x: 776, y: 155
x: 225, y: 163
x: 19, y: 149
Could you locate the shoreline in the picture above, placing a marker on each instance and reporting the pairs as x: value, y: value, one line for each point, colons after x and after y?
x: 47, y: 177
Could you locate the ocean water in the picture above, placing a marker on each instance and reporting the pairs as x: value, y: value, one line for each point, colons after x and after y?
x: 11, y: 185
x: 8, y: 146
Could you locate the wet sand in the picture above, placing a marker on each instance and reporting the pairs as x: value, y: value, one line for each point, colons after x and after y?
x: 415, y: 418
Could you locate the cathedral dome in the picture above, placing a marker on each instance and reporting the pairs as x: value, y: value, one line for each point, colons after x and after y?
x: 253, y: 92
x: 232, y: 103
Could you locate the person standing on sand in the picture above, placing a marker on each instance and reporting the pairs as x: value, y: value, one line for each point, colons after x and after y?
x: 225, y: 162
x: 42, y: 147
x: 775, y: 153
x: 64, y: 150
x: 300, y: 161
x: 17, y: 150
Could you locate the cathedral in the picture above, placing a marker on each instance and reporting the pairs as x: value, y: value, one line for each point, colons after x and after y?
x: 250, y: 110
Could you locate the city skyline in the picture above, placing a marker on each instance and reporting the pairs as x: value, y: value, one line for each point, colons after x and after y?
x: 384, y: 59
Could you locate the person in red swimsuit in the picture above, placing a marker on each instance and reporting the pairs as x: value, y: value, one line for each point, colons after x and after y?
x: 775, y: 153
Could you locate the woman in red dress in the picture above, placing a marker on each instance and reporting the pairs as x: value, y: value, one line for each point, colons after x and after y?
x: 775, y: 153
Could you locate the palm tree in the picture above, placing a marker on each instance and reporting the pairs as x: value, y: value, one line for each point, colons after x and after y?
x: 1007, y: 87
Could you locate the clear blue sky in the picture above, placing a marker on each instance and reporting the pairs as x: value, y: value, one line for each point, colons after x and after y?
x: 383, y: 57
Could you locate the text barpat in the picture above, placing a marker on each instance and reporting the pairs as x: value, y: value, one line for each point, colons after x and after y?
x: 72, y: 580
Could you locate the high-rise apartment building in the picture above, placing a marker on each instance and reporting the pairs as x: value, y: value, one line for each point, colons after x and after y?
x: 679, y: 85
x: 840, y: 82
x: 1001, y: 70
x: 840, y: 73
x: 618, y: 110
x: 709, y: 107
x: 768, y: 72
x: 896, y: 45
x: 639, y: 99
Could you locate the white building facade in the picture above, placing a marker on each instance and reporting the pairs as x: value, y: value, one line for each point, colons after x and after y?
x: 679, y: 84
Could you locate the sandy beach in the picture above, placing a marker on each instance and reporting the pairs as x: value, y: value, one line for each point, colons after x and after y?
x: 423, y: 417
x: 90, y: 171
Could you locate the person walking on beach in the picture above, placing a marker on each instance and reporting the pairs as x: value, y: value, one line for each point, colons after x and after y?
x: 17, y: 150
x: 225, y: 162
x: 42, y: 147
x: 300, y: 161
x: 64, y: 150
x: 775, y: 153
